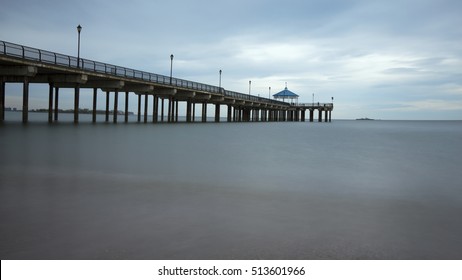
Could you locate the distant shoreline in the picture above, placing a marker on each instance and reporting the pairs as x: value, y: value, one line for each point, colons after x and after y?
x: 71, y: 111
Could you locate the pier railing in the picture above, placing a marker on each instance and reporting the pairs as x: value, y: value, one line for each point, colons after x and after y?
x: 315, y: 105
x: 52, y: 58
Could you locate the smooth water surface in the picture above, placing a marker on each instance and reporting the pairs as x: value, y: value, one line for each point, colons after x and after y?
x: 340, y: 190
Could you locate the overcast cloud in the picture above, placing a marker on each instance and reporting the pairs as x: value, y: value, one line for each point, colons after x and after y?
x: 381, y: 59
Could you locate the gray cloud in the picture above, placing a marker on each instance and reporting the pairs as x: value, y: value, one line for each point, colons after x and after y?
x: 364, y: 53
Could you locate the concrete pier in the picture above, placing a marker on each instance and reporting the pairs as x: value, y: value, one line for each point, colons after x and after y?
x: 95, y: 99
x: 116, y: 105
x: 56, y: 104
x: 50, y: 103
x: 40, y: 66
x: 2, y: 99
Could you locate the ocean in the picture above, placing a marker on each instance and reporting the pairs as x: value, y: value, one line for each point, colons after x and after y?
x: 340, y: 190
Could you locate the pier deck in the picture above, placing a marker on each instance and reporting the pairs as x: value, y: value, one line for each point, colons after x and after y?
x: 21, y: 64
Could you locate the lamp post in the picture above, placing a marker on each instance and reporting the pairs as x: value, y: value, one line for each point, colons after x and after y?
x: 250, y: 84
x: 269, y: 93
x: 171, y: 67
x: 79, y: 28
x: 313, y: 100
x: 219, y: 85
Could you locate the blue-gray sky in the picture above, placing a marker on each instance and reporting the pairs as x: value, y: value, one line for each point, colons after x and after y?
x: 382, y: 59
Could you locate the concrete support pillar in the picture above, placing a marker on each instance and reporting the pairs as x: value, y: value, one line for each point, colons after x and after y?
x: 193, y: 112
x: 169, y: 111
x: 155, y: 108
x: 107, y: 107
x: 188, y: 110
x: 139, y: 108
x: 311, y: 115
x: 162, y: 110
x: 248, y: 114
x: 326, y: 116
x: 217, y: 112
x: 76, y: 103
x: 204, y: 112
x: 145, y: 108
x: 116, y: 105
x: 320, y: 115
x: 330, y: 116
x: 176, y: 110
x: 230, y: 110
x: 56, y: 103
x: 303, y: 112
x: 95, y: 100
x: 126, y: 107
x: 2, y: 99
x: 25, y: 101
x: 50, y: 104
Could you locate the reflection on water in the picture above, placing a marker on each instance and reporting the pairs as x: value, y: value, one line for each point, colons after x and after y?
x: 345, y: 190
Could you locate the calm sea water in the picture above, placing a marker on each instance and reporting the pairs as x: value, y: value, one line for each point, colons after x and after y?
x: 340, y: 190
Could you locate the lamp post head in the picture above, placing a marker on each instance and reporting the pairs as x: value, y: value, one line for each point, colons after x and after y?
x: 79, y: 28
x: 220, y: 72
x: 171, y: 56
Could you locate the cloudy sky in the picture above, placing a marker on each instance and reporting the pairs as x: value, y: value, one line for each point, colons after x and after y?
x: 381, y: 59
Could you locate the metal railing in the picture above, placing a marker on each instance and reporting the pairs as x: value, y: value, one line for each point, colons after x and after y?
x: 47, y: 57
x: 316, y: 105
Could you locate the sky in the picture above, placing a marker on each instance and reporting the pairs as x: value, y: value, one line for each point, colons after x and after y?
x: 379, y: 59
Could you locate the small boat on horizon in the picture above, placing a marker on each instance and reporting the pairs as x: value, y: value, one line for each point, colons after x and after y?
x: 365, y: 119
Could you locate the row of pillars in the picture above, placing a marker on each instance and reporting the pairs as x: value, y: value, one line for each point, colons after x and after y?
x: 235, y: 113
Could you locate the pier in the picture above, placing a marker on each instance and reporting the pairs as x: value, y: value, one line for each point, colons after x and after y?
x: 26, y: 65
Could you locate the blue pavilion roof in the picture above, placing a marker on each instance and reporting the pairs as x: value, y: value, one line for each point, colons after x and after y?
x: 285, y: 94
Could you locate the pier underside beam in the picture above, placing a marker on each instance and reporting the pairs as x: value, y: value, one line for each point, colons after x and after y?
x: 185, y: 95
x: 103, y: 84
x: 137, y: 88
x: 17, y: 71
x: 166, y: 92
